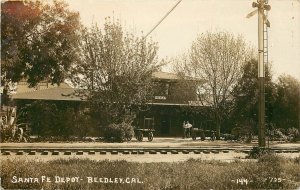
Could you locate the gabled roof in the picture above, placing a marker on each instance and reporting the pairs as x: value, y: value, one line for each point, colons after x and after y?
x: 164, y: 75
x: 160, y: 75
x: 22, y: 86
x: 66, y: 93
x: 54, y: 93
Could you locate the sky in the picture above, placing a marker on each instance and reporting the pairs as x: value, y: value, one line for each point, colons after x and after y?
x: 193, y: 17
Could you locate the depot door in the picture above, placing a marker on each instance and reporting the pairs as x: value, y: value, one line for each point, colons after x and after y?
x: 165, y: 126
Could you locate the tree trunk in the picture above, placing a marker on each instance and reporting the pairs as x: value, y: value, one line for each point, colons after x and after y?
x: 218, y: 130
x: 218, y: 124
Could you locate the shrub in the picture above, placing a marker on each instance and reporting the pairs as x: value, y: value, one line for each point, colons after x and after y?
x: 49, y: 119
x: 118, y: 132
x: 244, y: 133
x: 128, y: 129
x: 279, y: 135
x: 83, y: 125
x: 258, y: 152
x: 293, y: 134
x: 58, y: 120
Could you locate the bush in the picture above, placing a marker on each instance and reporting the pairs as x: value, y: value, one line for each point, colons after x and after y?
x: 242, y: 133
x: 279, y: 135
x: 118, y: 132
x: 293, y: 134
x: 258, y: 152
x: 58, y: 120
x: 83, y: 125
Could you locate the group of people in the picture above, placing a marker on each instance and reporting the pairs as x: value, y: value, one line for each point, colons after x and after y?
x: 187, y: 127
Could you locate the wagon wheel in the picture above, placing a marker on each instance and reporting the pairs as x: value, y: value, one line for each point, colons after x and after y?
x: 140, y: 136
x: 194, y: 136
x: 129, y: 138
x: 150, y: 136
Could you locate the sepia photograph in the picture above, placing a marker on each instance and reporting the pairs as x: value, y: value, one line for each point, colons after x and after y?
x: 150, y: 94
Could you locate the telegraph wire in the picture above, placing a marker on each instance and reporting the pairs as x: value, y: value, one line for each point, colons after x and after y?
x: 163, y: 18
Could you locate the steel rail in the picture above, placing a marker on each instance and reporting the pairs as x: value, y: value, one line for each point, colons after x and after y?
x: 136, y: 150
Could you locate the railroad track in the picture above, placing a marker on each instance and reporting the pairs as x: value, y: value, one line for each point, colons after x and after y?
x: 135, y: 150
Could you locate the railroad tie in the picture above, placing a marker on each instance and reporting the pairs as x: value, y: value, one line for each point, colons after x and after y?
x: 289, y: 151
x: 20, y: 152
x: 67, y: 153
x: 6, y: 153
x: 32, y: 152
x: 246, y: 151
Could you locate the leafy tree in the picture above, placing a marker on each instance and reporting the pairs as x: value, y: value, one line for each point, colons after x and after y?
x: 115, y: 71
x: 245, y: 96
x: 217, y: 58
x: 186, y: 90
x: 286, y: 107
x: 39, y: 40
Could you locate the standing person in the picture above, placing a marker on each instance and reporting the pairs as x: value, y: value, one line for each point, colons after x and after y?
x: 188, y: 129
x: 213, y: 135
x: 184, y: 129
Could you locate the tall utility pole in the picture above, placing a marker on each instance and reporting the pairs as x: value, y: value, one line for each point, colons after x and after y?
x: 299, y: 106
x: 261, y: 6
x: 261, y: 76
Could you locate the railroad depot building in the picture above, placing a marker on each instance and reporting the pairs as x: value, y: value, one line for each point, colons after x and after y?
x: 174, y: 101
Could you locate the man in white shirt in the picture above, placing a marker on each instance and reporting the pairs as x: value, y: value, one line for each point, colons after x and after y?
x: 187, y: 129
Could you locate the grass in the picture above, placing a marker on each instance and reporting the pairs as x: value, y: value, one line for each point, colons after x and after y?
x: 269, y: 172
